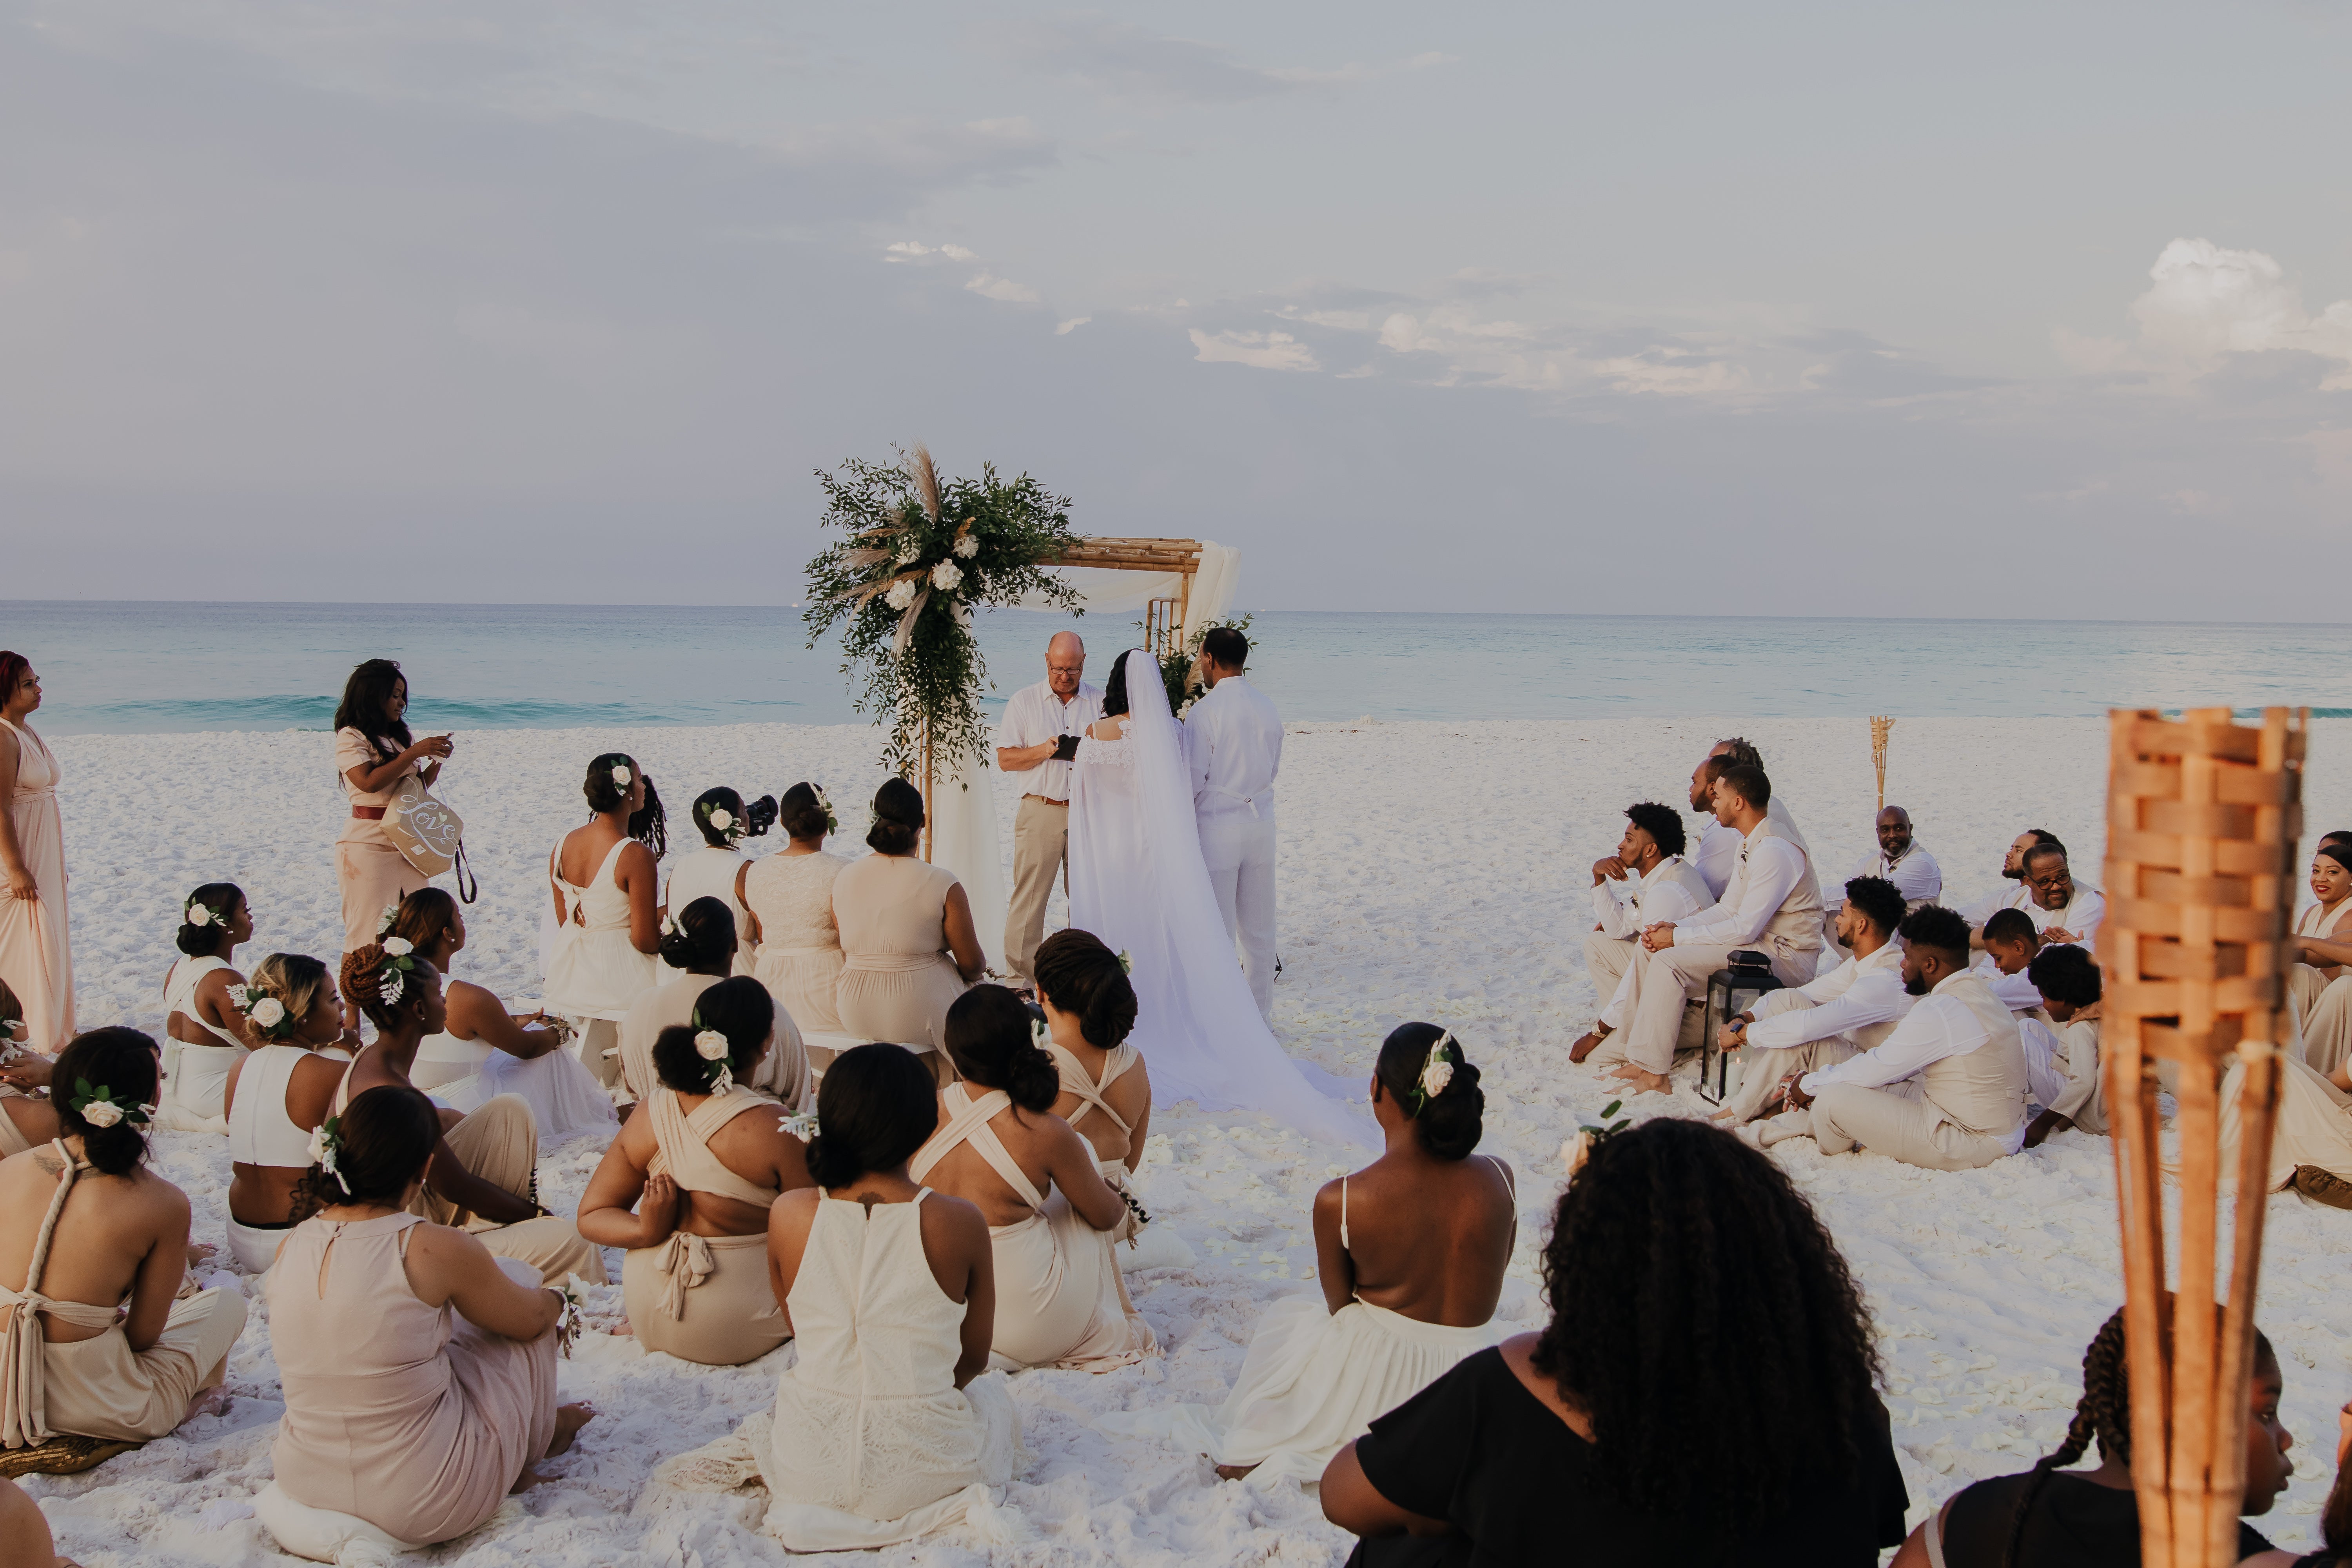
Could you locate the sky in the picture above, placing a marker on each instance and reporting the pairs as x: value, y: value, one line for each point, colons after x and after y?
x: 1816, y: 309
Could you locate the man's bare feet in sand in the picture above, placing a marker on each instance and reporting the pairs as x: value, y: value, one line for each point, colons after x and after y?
x: 214, y: 1401
x: 199, y: 1253
x: 1587, y: 1044
x: 1643, y: 1080
x: 1233, y: 1472
x: 569, y: 1419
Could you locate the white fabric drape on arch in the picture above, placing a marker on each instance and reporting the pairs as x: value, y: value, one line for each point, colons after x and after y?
x: 1106, y: 588
x: 1138, y: 881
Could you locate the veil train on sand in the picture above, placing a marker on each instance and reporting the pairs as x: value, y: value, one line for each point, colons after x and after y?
x: 1138, y: 881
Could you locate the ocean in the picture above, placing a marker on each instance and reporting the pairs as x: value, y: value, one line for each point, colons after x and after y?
x: 166, y: 666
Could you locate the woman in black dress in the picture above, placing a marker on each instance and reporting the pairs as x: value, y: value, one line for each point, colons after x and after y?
x: 1703, y: 1395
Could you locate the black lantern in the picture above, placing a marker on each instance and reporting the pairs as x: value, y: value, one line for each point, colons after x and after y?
x: 1729, y: 992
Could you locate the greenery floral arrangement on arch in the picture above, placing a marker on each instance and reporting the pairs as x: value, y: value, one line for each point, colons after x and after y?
x: 916, y: 552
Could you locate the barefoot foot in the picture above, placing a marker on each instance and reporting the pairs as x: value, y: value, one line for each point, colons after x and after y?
x: 1233, y: 1472
x: 212, y: 1401
x: 1587, y: 1044
x: 1642, y: 1080
x: 569, y: 1419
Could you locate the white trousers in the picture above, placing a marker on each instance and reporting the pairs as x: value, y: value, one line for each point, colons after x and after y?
x: 1239, y: 851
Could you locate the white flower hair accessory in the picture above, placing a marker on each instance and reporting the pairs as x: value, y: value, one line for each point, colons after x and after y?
x: 101, y: 1113
x: 947, y: 576
x: 901, y: 594
x: 200, y: 914
x: 722, y: 819
x: 267, y: 1013
x: 1436, y: 1070
x: 394, y: 987
x: 326, y: 1140
x: 398, y: 946
x: 383, y: 922
x: 622, y: 777
x: 100, y: 1108
x: 711, y: 1047
x: 1125, y: 964
x: 800, y: 1124
x: 237, y: 996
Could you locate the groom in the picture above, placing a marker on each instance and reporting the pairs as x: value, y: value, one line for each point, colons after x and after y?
x: 1234, y: 738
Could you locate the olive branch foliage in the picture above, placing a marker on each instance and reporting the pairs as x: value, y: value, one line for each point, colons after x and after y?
x: 915, y: 667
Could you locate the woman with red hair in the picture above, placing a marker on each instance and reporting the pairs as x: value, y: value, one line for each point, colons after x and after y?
x: 34, y: 960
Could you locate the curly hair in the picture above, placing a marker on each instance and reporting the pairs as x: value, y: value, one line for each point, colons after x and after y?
x: 649, y: 824
x: 1707, y: 1324
x: 1661, y: 823
x: 365, y: 695
x: 364, y: 969
x: 1879, y: 899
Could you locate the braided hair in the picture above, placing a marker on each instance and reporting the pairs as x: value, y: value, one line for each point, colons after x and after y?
x: 386, y: 986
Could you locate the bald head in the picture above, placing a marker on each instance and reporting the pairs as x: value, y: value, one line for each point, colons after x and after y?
x: 1895, y: 832
x: 1066, y: 664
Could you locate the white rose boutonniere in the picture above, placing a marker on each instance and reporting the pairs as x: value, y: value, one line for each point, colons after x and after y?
x: 901, y: 594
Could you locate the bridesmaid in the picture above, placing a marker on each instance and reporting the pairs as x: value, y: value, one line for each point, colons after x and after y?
x: 605, y: 879
x: 275, y: 1096
x: 790, y: 897
x: 714, y: 870
x: 909, y: 945
x: 422, y: 1425
x: 36, y: 953
x: 203, y: 1029
x: 373, y: 751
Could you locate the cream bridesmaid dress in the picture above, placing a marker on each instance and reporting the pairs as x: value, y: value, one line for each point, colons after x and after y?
x: 36, y: 956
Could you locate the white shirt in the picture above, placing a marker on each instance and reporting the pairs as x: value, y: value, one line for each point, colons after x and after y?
x: 1855, y: 995
x: 1234, y: 739
x: 1718, y: 846
x: 2081, y: 914
x: 2017, y: 991
x: 1937, y: 1026
x: 1623, y: 908
x: 1033, y: 716
x: 1917, y: 876
x: 1775, y: 867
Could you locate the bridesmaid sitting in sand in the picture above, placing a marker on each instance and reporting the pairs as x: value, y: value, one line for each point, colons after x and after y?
x: 702, y: 1160
x: 484, y: 1051
x: 93, y: 1251
x: 1410, y: 1252
x: 276, y: 1096
x: 715, y: 870
x: 891, y: 1288
x: 202, y: 1043
x: 421, y: 1424
x: 909, y: 946
x: 703, y: 945
x: 790, y: 897
x: 1059, y: 1298
x: 485, y: 1166
x: 1090, y: 1007
x: 605, y: 879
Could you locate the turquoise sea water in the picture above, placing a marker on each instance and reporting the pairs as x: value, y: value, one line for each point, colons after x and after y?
x: 155, y: 666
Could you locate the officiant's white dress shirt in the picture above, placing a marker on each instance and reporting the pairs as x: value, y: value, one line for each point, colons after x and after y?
x: 1917, y: 876
x: 2081, y: 914
x: 1033, y: 716
x: 1233, y: 739
x: 1855, y: 995
x: 1718, y: 846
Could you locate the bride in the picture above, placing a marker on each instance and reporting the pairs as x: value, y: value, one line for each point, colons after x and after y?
x: 1138, y: 881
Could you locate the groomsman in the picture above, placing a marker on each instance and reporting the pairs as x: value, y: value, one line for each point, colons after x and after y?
x: 1038, y: 737
x: 1233, y: 737
x: 1719, y: 846
x: 1901, y: 861
x: 1646, y: 881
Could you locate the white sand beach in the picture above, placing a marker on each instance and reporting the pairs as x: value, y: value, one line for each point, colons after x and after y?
x: 1428, y: 871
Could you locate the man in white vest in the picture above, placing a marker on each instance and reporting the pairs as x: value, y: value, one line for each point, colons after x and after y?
x: 1234, y: 739
x: 1847, y: 1011
x: 1946, y: 1090
x: 1772, y: 904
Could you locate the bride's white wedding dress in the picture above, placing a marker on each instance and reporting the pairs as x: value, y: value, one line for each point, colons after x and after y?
x: 1138, y: 881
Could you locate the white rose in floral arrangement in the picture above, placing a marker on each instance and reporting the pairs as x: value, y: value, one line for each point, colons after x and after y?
x: 908, y: 551
x: 947, y: 576
x: 901, y: 594
x: 968, y: 546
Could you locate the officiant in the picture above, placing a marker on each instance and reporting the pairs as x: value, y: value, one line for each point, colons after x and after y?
x: 1036, y: 740
x: 1233, y: 737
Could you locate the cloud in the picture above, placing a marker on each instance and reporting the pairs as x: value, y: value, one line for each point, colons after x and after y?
x: 989, y: 285
x: 1064, y: 329
x: 2208, y: 302
x: 915, y: 250
x: 1123, y: 60
x: 1261, y: 351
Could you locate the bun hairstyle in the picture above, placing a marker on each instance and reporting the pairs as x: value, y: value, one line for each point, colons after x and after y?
x: 1084, y: 977
x: 424, y: 917
x: 743, y: 1010
x: 221, y: 900
x: 991, y: 1038
x: 375, y: 1149
x: 719, y: 799
x: 115, y: 1081
x: 898, y: 818
x: 649, y: 825
x: 875, y: 1107
x: 701, y: 936
x: 294, y: 979
x: 804, y: 815
x: 1450, y: 1121
x: 388, y: 988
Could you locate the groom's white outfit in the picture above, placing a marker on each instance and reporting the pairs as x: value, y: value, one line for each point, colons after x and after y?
x: 1234, y: 739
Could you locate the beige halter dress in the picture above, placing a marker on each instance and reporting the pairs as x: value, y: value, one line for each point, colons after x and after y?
x: 1090, y: 1096
x: 101, y: 1387
x: 35, y: 955
x: 704, y: 1297
x: 1059, y: 1297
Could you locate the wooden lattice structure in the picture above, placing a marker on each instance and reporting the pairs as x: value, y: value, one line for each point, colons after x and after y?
x: 2203, y: 815
x: 1163, y: 616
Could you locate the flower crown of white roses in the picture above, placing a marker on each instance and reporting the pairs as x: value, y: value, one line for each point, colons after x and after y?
x: 98, y: 1107
x: 326, y: 1143
x: 270, y: 1018
x: 712, y: 1047
x: 1436, y: 1071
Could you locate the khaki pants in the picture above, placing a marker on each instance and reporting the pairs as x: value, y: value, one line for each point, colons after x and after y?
x: 1041, y: 844
x: 1663, y: 983
x: 1606, y: 958
x: 500, y: 1144
x: 1761, y: 1070
x: 1902, y: 1125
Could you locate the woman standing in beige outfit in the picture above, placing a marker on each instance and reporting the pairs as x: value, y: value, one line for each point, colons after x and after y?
x: 701, y: 1164
x: 35, y: 950
x: 909, y: 946
x: 421, y: 1424
x: 373, y: 751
